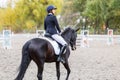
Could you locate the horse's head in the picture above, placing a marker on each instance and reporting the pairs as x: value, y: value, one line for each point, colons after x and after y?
x: 70, y: 35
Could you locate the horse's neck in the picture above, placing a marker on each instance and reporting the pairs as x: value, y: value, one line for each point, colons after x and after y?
x: 66, y: 37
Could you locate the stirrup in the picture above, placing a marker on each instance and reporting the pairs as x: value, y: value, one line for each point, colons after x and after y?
x: 61, y: 60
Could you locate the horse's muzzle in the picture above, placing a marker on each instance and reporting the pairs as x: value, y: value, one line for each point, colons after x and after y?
x: 73, y: 48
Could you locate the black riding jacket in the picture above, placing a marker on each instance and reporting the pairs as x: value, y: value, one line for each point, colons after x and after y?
x: 51, y: 25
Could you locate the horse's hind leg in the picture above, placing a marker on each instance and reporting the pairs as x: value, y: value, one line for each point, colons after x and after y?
x: 66, y: 65
x: 40, y: 65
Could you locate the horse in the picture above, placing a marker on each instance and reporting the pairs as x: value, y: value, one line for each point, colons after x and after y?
x: 40, y: 51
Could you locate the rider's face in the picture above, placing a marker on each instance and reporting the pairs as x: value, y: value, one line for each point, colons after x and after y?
x: 53, y: 11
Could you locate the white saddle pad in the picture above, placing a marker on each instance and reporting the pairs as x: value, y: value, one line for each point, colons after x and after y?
x: 54, y: 44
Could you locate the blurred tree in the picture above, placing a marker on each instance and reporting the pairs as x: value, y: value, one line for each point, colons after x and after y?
x: 99, y: 12
x: 69, y: 15
x: 7, y: 18
x: 114, y: 17
x: 1, y: 21
x: 96, y: 11
x: 66, y: 13
x: 72, y: 11
x: 79, y: 5
x: 27, y: 14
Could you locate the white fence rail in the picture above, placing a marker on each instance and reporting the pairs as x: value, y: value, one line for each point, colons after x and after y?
x: 116, y: 38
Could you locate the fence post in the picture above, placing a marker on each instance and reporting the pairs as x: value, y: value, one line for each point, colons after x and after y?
x: 84, y: 38
x: 6, y: 39
x: 110, y: 37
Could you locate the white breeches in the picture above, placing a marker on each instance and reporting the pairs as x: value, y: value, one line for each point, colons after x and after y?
x: 59, y: 39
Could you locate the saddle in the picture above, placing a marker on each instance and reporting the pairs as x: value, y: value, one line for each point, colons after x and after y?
x: 47, y: 35
x: 53, y: 42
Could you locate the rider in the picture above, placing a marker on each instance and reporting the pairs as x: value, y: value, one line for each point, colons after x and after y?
x: 51, y: 26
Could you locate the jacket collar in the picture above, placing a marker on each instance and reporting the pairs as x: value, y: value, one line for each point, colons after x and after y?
x: 49, y: 14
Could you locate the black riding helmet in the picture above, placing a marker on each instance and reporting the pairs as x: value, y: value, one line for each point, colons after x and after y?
x: 51, y: 7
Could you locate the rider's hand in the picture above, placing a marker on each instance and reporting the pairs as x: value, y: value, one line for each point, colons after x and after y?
x: 59, y: 33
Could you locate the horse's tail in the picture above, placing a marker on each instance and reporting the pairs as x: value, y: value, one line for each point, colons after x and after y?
x: 24, y: 62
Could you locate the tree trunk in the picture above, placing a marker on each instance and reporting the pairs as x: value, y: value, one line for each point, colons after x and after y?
x: 106, y: 26
x: 96, y: 26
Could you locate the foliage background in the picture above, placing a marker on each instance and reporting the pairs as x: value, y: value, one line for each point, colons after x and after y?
x: 28, y: 15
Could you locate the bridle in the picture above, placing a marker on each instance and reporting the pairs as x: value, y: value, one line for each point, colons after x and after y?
x: 72, y: 44
x: 71, y: 39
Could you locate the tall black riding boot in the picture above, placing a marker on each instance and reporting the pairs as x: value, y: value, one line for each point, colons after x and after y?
x: 61, y: 53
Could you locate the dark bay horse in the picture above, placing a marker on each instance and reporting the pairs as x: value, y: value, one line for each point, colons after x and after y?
x: 40, y: 51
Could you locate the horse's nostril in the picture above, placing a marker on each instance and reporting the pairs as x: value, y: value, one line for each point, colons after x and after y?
x: 73, y: 48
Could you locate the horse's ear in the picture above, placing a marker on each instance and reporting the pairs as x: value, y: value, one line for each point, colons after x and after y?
x: 76, y: 29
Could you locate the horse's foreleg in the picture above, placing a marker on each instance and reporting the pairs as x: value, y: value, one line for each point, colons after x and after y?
x: 58, y: 70
x: 66, y: 65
